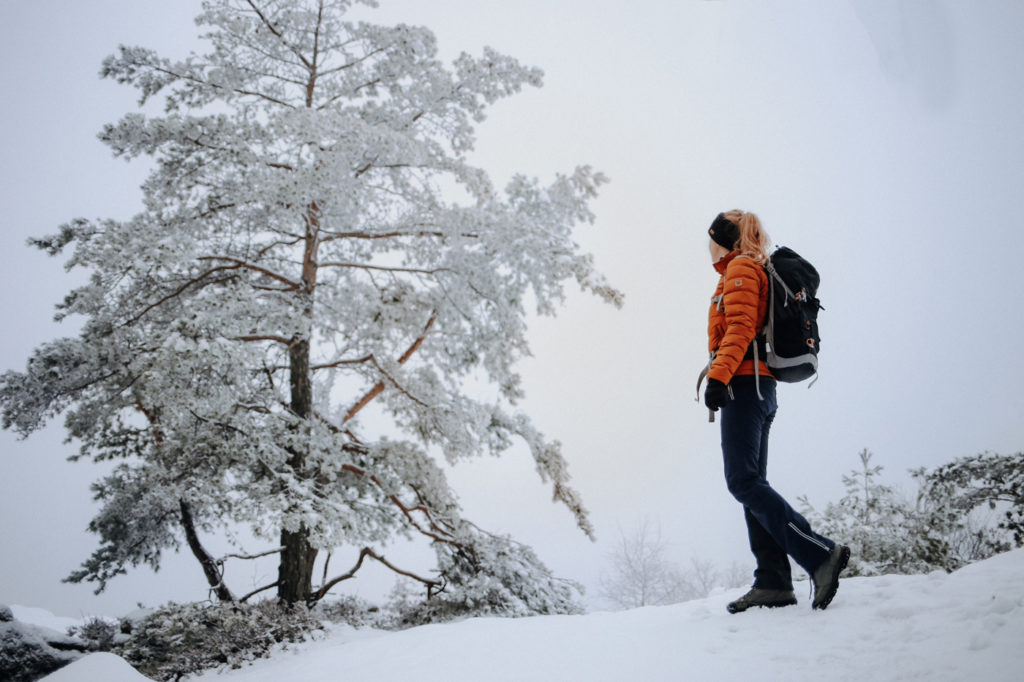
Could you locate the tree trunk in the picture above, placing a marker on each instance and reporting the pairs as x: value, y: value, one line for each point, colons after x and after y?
x: 209, y: 564
x: 295, y: 572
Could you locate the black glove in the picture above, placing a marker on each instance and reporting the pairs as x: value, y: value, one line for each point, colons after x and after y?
x: 716, y: 395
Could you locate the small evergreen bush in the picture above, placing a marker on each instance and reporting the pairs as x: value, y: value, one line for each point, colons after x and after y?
x: 97, y: 634
x: 987, y: 480
x: 886, y: 532
x: 943, y: 528
x: 178, y: 640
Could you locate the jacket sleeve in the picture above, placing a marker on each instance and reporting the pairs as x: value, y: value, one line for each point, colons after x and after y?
x: 741, y: 292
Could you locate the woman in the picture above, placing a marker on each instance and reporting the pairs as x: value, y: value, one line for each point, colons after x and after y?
x: 747, y: 403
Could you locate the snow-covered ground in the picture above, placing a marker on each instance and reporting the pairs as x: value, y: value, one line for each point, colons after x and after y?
x: 965, y: 626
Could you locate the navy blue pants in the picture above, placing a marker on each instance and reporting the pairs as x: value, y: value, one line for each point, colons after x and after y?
x: 774, y: 527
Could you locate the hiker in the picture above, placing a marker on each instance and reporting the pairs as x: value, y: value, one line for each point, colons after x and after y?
x: 747, y: 405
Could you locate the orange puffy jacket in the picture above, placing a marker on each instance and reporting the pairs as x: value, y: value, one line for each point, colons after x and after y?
x: 737, y: 315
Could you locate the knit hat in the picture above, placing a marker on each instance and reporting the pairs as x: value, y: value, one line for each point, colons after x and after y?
x: 724, y: 232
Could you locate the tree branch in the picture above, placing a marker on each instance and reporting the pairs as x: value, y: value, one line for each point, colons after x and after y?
x: 379, y: 387
x: 269, y: 164
x: 193, y: 79
x: 177, y: 292
x: 367, y: 552
x: 341, y: 95
x: 339, y: 363
x: 295, y: 239
x: 384, y: 235
x: 241, y: 264
x: 213, y: 570
x: 250, y: 557
x: 277, y: 34
x: 265, y: 337
x: 349, y: 65
x: 310, y: 87
x: 384, y: 268
x: 258, y: 590
x: 436, y: 532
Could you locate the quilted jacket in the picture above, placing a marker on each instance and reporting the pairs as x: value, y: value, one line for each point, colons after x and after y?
x: 737, y: 314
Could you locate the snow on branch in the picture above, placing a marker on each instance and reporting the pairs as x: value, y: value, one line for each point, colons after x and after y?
x: 379, y: 387
x: 240, y: 264
x: 300, y: 201
x: 367, y: 552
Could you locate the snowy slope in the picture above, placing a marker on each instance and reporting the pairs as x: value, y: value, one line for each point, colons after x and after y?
x: 965, y: 626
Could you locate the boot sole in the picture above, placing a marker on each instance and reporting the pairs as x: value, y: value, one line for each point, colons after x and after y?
x: 844, y: 559
x: 772, y: 605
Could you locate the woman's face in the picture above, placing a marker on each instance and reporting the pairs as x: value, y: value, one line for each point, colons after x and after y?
x: 717, y: 250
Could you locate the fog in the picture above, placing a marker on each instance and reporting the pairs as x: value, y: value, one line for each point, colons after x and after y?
x: 882, y: 140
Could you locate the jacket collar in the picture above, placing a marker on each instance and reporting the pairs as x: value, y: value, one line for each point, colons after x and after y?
x: 725, y: 260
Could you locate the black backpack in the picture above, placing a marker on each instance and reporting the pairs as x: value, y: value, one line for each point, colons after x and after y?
x: 792, y: 326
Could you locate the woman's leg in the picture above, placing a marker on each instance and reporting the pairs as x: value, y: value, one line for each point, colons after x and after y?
x: 746, y: 421
x: 771, y: 570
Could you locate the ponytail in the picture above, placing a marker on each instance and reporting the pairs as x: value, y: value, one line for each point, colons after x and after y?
x: 754, y: 241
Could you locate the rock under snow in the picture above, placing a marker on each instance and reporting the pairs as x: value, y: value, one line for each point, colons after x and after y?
x: 98, y: 667
x: 27, y: 652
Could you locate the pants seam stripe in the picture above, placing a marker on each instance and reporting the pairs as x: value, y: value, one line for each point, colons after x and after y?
x: 808, y: 537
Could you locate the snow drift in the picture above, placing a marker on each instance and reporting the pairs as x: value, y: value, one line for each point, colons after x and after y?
x: 964, y: 625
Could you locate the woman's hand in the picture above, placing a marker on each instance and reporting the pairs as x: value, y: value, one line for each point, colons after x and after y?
x: 716, y: 395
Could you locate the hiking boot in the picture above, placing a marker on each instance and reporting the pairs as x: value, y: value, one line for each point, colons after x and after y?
x: 761, y: 597
x: 826, y: 577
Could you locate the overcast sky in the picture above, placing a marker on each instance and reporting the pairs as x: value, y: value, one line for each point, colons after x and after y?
x: 883, y: 140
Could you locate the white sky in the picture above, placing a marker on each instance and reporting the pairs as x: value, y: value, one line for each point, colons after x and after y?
x: 883, y: 140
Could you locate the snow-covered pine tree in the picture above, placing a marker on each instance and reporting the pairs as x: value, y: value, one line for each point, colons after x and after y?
x: 887, y: 532
x: 984, y: 481
x: 313, y: 239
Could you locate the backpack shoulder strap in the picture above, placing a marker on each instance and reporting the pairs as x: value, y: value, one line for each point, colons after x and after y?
x: 775, y: 277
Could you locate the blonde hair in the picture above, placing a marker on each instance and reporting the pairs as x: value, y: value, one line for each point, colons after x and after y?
x: 754, y: 242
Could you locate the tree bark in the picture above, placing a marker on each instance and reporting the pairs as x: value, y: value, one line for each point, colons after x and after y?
x: 295, y: 572
x: 209, y: 564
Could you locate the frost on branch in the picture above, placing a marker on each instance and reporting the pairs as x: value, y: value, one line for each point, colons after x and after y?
x: 496, y: 577
x: 138, y: 520
x: 313, y: 247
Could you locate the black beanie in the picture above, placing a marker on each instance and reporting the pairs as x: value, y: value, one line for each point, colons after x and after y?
x: 724, y: 232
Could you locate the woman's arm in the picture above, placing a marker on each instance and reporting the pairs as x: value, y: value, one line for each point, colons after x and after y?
x: 742, y: 288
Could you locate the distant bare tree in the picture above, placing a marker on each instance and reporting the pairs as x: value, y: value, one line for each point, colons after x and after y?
x: 640, y: 573
x: 702, y: 578
x: 737, y: 575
